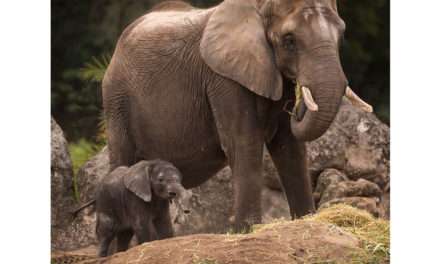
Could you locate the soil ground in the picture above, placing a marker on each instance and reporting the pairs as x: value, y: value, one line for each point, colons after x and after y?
x: 324, y: 238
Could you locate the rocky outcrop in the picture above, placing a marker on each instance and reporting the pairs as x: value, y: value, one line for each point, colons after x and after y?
x: 61, y: 182
x: 357, y: 144
x: 285, y: 242
x: 334, y: 187
x: 361, y: 187
x: 90, y: 174
x: 61, y: 175
x: 69, y: 232
x: 339, y: 234
x: 328, y: 177
x: 80, y: 232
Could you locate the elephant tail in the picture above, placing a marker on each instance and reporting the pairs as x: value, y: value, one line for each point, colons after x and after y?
x: 75, y: 211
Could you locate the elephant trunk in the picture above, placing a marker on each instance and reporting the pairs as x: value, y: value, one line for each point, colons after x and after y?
x: 322, y: 84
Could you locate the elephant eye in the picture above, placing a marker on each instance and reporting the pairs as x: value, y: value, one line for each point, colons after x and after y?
x: 289, y: 42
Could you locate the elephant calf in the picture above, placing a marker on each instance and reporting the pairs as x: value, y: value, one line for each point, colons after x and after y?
x: 135, y: 201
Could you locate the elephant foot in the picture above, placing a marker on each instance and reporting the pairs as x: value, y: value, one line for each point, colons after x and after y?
x: 244, y: 226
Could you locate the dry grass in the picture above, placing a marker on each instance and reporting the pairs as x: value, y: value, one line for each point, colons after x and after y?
x: 372, y: 232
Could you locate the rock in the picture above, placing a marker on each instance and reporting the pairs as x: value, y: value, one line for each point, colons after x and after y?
x: 361, y: 187
x: 357, y: 143
x: 90, y: 173
x: 213, y: 201
x: 61, y: 183
x: 368, y: 204
x: 212, y: 206
x: 285, y: 242
x: 274, y: 205
x: 61, y: 176
x: 327, y: 177
x: 80, y: 231
x: 270, y: 173
x: 384, y: 205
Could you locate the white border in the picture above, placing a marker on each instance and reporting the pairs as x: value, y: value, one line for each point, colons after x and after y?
x: 25, y: 131
x: 415, y: 131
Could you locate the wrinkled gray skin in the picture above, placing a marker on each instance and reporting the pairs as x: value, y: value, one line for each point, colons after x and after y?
x: 135, y: 201
x: 205, y: 88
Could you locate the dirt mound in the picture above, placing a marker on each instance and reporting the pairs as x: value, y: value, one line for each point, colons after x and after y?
x: 339, y: 234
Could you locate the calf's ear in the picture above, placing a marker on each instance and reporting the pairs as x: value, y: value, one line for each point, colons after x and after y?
x: 137, y: 180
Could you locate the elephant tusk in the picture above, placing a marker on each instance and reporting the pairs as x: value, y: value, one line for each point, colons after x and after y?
x: 356, y: 101
x: 308, y: 99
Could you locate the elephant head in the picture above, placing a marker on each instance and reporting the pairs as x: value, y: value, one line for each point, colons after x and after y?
x: 262, y: 44
x: 156, y: 177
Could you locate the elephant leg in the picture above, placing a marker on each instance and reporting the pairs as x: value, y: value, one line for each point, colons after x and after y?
x: 246, y: 164
x: 124, y: 238
x: 145, y: 231
x: 120, y: 144
x: 163, y: 226
x: 241, y: 135
x: 105, y: 234
x: 290, y: 158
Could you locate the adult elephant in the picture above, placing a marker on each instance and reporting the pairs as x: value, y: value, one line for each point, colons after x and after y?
x: 205, y: 88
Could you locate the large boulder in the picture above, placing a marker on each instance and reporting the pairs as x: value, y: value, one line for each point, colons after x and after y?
x: 61, y: 182
x: 91, y: 173
x: 339, y: 234
x: 328, y: 177
x: 357, y: 146
x: 334, y: 187
x: 212, y: 210
x: 79, y: 231
x: 270, y: 174
x: 281, y: 242
x: 357, y: 143
x: 361, y: 188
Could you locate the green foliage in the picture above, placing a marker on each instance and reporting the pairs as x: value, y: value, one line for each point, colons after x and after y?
x: 94, y: 71
x: 365, y: 53
x: 80, y: 152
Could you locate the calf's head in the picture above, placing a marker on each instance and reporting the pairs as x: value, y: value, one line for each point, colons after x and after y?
x: 156, y: 177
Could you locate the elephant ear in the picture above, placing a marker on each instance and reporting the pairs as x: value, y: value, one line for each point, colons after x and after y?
x: 137, y: 180
x: 234, y: 45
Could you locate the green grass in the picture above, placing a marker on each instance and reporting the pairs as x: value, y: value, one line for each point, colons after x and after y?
x: 80, y: 152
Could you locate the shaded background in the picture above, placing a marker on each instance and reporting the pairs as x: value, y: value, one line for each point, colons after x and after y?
x: 84, y: 34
